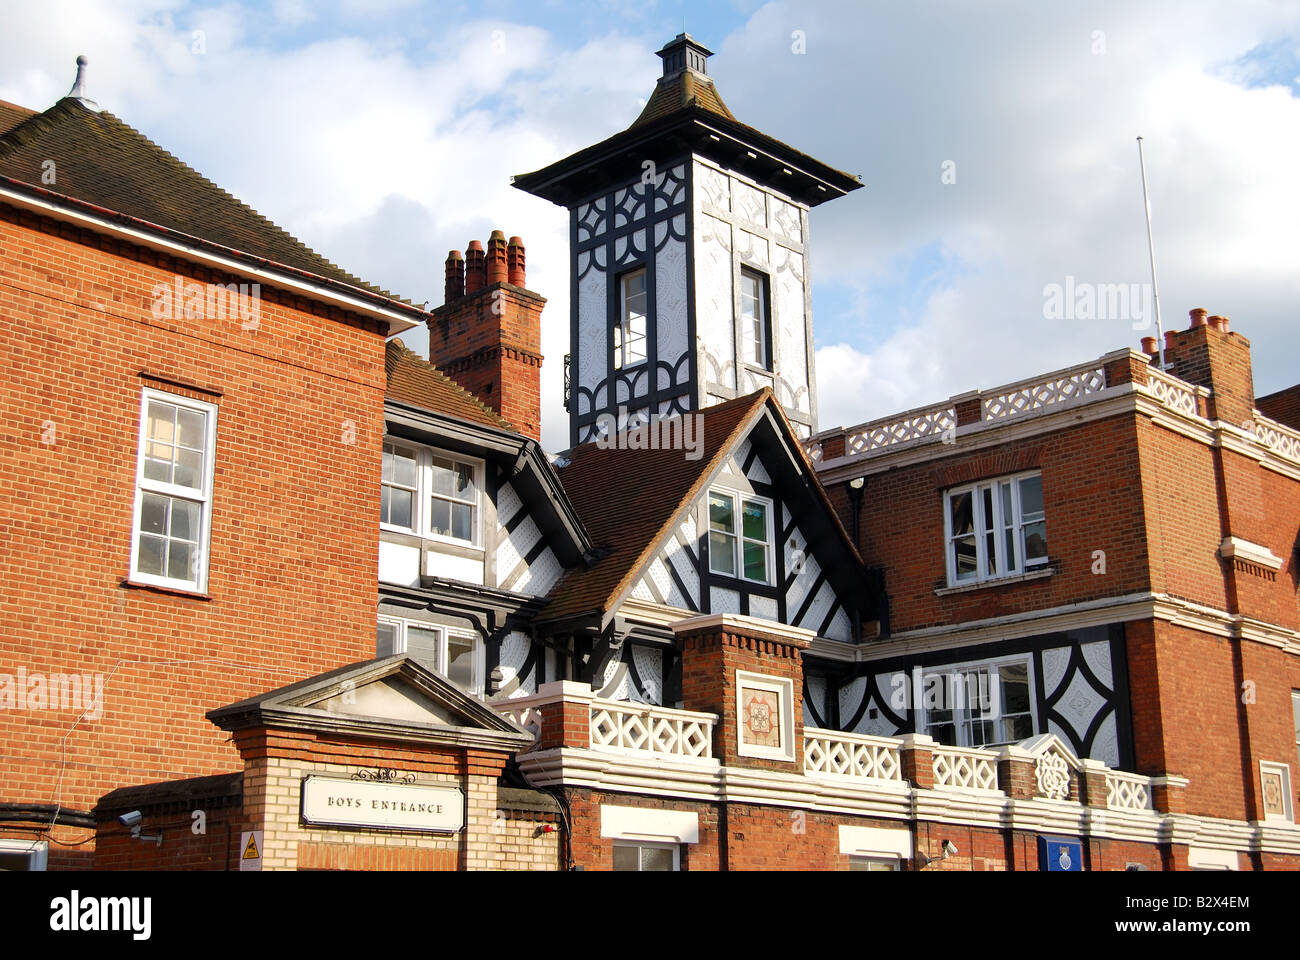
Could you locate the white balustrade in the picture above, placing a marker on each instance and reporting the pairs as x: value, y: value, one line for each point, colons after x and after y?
x: 1128, y: 791
x: 965, y: 768
x: 1178, y: 395
x: 920, y: 424
x: 856, y: 755
x: 1281, y: 439
x: 642, y: 728
x: 1027, y: 396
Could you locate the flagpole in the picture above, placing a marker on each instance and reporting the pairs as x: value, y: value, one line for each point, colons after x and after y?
x: 1151, y: 249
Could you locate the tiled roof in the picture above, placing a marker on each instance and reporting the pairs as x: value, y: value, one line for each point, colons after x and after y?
x: 628, y: 498
x: 678, y: 93
x: 100, y: 160
x: 414, y: 380
x: 11, y: 115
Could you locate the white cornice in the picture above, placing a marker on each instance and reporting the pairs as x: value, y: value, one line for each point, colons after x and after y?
x: 735, y: 622
x: 1237, y: 548
x: 709, y: 781
x: 1077, y: 616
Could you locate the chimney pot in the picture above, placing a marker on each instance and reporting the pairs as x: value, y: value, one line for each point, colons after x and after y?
x: 475, y: 268
x: 497, y: 271
x: 454, y: 288
x: 515, y: 262
x: 1170, y: 337
x: 1149, y: 346
x: 1216, y: 322
x: 1198, y: 317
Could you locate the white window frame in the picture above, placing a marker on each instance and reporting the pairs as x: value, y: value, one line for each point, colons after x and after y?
x: 37, y: 852
x: 784, y: 690
x: 738, y: 498
x: 862, y: 861
x: 1295, y: 713
x: 445, y: 634
x: 963, y: 723
x: 639, y: 845
x: 762, y: 347
x: 425, y: 455
x: 622, y: 361
x: 202, y: 496
x: 406, y: 449
x: 998, y: 524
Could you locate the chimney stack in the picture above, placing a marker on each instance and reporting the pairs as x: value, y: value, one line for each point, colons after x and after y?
x: 487, y: 335
x: 1209, y: 355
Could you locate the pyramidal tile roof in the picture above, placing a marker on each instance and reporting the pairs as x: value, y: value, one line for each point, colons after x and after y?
x: 684, y: 90
x: 413, y: 380
x: 100, y: 160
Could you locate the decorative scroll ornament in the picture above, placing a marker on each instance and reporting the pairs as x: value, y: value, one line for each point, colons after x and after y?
x: 384, y: 775
x: 1053, y: 775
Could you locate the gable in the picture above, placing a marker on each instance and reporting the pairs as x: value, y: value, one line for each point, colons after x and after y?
x: 798, y: 592
x: 389, y: 699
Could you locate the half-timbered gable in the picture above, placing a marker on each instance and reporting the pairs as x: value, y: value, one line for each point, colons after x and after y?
x: 743, y: 528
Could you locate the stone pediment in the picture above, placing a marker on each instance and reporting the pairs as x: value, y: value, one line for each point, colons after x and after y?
x: 395, y: 698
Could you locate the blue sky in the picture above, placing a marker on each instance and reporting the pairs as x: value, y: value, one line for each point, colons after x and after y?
x: 384, y: 134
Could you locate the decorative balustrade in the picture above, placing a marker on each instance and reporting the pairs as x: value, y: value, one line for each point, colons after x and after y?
x: 851, y: 755
x: 641, y: 728
x: 526, y: 714
x: 1128, y: 791
x: 1026, y: 396
x: 965, y: 768
x: 920, y: 424
x: 1281, y: 439
x: 1178, y: 395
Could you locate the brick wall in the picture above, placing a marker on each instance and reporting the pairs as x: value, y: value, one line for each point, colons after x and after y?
x: 292, y: 583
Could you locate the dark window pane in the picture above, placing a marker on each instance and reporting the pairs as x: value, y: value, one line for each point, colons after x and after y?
x: 1031, y: 496
x: 153, y: 513
x: 964, y: 557
x: 1035, y: 541
x: 720, y: 513
x: 440, y: 517
x: 386, y: 640
x: 755, y: 520
x: 461, y: 654
x: 423, y: 643
x: 179, y: 557
x: 151, y: 556
x: 962, y: 514
x: 401, y: 508
x: 656, y: 858
x: 722, y: 557
x: 756, y: 561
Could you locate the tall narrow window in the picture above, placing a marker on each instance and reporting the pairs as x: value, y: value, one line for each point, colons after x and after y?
x: 753, y: 319
x: 630, y: 333
x: 398, y: 491
x: 173, y: 496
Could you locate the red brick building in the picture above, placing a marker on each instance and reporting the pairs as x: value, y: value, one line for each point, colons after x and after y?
x: 271, y: 573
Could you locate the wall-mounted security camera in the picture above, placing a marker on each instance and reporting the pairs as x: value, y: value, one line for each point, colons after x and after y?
x: 949, y: 849
x: 132, y: 821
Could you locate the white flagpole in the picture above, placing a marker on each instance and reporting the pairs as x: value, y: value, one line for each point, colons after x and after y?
x: 1151, y: 249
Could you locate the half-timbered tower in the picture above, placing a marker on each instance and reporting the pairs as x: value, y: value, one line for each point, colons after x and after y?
x: 689, y: 247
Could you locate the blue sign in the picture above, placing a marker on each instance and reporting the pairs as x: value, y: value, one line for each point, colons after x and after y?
x: 1060, y: 853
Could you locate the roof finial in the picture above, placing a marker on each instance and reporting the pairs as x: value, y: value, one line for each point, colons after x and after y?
x: 78, y: 91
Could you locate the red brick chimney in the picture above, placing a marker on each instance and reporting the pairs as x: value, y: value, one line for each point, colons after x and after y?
x: 487, y: 335
x: 1209, y: 355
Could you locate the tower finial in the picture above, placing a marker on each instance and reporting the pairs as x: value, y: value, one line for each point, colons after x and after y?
x: 78, y: 91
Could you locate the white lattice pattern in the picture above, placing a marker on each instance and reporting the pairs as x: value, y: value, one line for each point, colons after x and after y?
x: 851, y: 755
x: 913, y: 425
x: 528, y: 717
x: 1031, y: 395
x: 657, y: 730
x: 970, y: 769
x: 1127, y: 791
x: 1278, y: 437
x: 1172, y: 392
x: 814, y: 449
x: 1052, y: 771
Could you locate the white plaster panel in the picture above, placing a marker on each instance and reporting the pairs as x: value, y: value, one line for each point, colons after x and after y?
x: 670, y: 305
x: 399, y: 564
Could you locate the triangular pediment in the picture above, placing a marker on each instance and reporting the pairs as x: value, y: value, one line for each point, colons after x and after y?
x: 395, y: 698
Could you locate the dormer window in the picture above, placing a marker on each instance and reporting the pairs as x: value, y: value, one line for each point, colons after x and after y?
x: 630, y: 332
x: 430, y: 494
